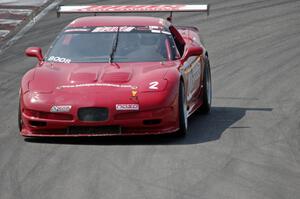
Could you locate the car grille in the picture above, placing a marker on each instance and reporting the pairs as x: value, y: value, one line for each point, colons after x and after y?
x: 94, y: 130
x: 93, y: 114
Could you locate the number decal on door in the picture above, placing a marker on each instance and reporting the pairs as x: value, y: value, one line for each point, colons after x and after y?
x: 153, y: 85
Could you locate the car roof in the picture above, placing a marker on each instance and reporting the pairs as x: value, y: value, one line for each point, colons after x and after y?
x: 94, y: 21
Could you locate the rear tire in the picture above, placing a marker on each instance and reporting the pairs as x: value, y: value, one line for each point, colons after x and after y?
x: 207, y: 89
x: 182, y: 109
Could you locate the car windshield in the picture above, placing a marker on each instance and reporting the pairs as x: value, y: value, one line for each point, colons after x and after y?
x: 96, y: 45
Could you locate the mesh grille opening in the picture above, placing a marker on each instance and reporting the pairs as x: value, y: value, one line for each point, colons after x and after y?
x: 92, y: 114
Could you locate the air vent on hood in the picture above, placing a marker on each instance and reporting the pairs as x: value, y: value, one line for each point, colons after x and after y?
x: 119, y: 77
x: 83, y: 77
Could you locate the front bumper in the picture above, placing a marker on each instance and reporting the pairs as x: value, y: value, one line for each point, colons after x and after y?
x: 159, y: 118
x: 163, y: 121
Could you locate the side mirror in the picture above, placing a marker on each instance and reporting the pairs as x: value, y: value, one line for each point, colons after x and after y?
x: 192, y: 51
x: 35, y: 52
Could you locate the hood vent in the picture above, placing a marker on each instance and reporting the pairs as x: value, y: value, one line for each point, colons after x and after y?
x: 116, y: 77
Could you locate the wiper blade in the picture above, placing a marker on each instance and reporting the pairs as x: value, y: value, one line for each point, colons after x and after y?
x: 114, y: 47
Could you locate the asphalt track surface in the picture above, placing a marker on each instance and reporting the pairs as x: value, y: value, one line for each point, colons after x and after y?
x: 248, y: 147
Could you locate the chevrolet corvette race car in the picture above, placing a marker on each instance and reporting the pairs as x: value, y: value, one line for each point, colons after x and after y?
x: 117, y: 75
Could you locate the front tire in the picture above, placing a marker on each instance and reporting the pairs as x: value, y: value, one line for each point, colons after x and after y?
x: 207, y: 89
x: 20, y: 121
x: 182, y: 109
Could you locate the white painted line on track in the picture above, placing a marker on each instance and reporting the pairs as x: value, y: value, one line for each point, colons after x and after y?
x: 16, y: 11
x: 29, y: 26
x: 3, y: 33
x: 23, y: 2
x: 12, y: 22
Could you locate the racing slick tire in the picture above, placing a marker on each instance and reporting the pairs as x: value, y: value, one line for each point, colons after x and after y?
x: 20, y: 122
x: 207, y: 89
x: 182, y: 116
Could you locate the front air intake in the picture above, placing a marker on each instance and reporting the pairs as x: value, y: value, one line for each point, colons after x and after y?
x: 92, y: 114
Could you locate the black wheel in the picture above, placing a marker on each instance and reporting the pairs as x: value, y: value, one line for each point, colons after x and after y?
x: 20, y: 122
x: 183, y: 117
x: 207, y: 89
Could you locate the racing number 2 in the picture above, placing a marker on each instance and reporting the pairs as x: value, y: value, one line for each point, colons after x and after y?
x: 153, y: 85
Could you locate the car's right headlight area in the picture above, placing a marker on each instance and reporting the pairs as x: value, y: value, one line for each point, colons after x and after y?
x: 154, y: 85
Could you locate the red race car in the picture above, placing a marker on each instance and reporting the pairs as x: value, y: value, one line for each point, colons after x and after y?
x: 117, y: 75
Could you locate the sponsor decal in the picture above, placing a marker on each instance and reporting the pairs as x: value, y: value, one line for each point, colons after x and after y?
x: 78, y: 30
x: 160, y: 32
x: 155, y: 31
x: 95, y: 85
x: 59, y: 59
x: 135, y: 8
x: 128, y: 8
x: 60, y: 109
x: 113, y: 29
x: 131, y: 107
x: 194, y: 73
x: 155, y: 27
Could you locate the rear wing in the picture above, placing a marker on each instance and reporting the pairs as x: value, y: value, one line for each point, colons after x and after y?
x: 132, y: 9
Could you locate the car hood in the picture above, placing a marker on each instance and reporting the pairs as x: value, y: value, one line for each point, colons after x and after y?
x: 96, y: 77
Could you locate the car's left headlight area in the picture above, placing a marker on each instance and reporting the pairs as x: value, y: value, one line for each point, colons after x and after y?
x: 38, y: 112
x: 37, y: 101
